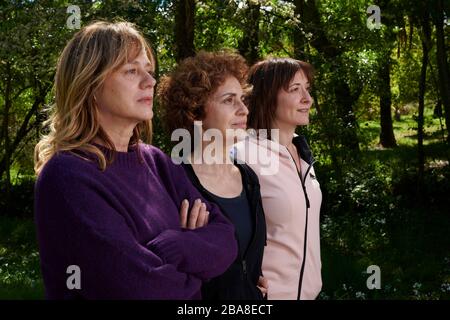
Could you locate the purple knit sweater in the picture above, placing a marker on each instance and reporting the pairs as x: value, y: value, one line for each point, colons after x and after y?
x: 121, y: 227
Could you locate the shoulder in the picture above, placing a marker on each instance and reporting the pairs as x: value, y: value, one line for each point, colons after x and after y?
x: 155, y: 155
x: 249, y: 175
x: 65, y: 163
x: 65, y: 169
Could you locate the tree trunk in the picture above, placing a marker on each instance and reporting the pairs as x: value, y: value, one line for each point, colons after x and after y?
x: 249, y: 44
x: 23, y: 131
x: 298, y: 36
x: 344, y: 101
x: 443, y: 69
x: 387, y: 137
x: 5, y: 135
x: 184, y: 29
x: 426, y: 40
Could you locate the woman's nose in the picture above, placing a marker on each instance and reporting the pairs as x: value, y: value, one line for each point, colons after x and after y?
x: 149, y: 81
x: 243, y: 108
x: 306, y: 97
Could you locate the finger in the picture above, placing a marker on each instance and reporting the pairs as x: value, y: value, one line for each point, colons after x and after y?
x: 184, y: 213
x: 263, y: 290
x: 264, y: 282
x: 201, y: 216
x: 207, y: 218
x: 193, y: 214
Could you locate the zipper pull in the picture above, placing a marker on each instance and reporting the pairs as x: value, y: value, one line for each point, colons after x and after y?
x: 244, y: 266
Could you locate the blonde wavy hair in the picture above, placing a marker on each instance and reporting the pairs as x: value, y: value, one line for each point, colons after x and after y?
x: 90, y: 56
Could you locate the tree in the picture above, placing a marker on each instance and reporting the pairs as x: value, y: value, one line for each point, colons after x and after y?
x: 391, y: 19
x: 387, y: 138
x: 426, y: 46
x: 184, y: 28
x: 27, y: 60
x: 441, y: 56
x: 344, y: 96
x: 249, y: 43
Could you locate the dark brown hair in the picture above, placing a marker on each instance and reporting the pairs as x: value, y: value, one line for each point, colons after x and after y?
x: 267, y: 78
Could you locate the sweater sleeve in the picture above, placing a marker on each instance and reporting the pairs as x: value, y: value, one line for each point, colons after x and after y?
x: 77, y: 226
x: 212, y: 248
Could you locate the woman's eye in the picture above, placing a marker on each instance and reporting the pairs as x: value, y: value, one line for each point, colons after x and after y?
x: 152, y: 73
x: 229, y: 100
x: 131, y: 71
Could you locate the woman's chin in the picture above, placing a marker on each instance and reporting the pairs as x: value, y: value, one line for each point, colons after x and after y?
x: 147, y: 116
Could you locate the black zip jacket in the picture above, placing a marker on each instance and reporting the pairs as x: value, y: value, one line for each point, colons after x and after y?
x: 240, y: 280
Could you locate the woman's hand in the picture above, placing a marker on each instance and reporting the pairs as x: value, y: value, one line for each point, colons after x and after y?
x: 263, y: 285
x: 198, y: 217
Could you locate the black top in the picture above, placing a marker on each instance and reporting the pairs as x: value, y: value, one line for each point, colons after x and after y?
x: 239, y: 212
x: 239, y: 281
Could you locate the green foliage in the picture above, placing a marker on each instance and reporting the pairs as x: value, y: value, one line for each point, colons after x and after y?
x: 373, y: 217
x: 371, y: 213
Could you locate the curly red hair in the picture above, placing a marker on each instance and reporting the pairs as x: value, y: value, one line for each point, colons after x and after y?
x: 183, y: 93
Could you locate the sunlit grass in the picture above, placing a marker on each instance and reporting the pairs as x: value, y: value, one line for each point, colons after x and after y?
x: 405, y: 130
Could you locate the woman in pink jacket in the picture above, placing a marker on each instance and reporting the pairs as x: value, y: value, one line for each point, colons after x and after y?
x: 279, y: 103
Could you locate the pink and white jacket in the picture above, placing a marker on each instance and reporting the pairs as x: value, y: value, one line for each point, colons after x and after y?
x: 291, y: 202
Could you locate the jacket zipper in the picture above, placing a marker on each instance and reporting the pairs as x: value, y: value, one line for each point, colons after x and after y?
x: 302, y: 181
x: 302, y: 270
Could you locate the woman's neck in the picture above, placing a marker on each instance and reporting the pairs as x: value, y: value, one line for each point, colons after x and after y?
x: 285, y: 134
x: 119, y: 136
x: 212, y: 163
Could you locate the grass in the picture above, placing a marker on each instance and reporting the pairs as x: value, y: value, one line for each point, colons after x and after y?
x: 20, y: 276
x: 405, y: 130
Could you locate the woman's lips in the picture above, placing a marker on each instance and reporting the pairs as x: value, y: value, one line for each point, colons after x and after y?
x: 241, y: 125
x: 146, y: 100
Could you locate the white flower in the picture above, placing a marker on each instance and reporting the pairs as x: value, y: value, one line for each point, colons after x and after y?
x: 445, y: 287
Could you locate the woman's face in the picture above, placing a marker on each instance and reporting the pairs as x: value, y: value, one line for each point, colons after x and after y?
x: 293, y: 105
x: 224, y: 108
x: 127, y: 93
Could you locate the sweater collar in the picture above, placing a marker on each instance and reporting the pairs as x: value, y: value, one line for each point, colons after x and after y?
x: 122, y: 158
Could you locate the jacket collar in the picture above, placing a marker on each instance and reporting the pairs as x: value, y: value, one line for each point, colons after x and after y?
x: 298, y: 140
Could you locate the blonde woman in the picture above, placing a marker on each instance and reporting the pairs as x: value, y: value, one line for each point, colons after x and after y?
x: 108, y: 206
